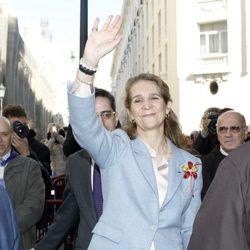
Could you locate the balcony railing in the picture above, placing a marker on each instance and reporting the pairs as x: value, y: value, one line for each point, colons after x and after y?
x: 212, y: 64
x: 209, y: 60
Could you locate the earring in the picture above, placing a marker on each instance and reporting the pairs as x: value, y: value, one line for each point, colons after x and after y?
x: 167, y: 116
x: 132, y: 120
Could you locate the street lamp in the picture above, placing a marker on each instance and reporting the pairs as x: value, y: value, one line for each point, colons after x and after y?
x: 2, y: 94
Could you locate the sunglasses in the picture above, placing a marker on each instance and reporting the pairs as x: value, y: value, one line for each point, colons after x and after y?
x: 232, y: 129
x: 106, y: 114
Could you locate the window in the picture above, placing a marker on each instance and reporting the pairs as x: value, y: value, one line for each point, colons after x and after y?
x: 147, y: 49
x: 142, y: 59
x: 159, y: 28
x: 159, y: 62
x: 153, y: 41
x: 165, y: 15
x: 213, y: 38
x: 166, y: 57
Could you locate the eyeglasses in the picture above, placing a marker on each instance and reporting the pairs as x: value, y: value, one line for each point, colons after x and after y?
x: 232, y: 129
x: 106, y: 114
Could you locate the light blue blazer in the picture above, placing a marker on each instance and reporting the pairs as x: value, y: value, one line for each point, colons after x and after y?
x: 132, y: 218
x: 9, y: 232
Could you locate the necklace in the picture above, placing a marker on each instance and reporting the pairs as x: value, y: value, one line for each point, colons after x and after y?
x: 163, y: 151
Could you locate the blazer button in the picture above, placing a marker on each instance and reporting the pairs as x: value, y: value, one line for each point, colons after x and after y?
x: 153, y: 227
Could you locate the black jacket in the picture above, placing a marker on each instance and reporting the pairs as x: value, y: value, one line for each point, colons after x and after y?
x: 70, y: 145
x: 210, y: 165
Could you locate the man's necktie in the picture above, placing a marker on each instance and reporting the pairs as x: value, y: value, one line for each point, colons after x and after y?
x: 97, y: 191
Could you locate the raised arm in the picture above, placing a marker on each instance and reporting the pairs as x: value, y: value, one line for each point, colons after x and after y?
x: 100, y: 43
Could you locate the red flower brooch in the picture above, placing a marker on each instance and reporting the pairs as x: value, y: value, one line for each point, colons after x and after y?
x: 190, y: 171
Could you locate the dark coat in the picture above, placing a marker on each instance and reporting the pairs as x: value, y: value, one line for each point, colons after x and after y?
x: 40, y: 152
x: 204, y: 145
x: 9, y: 234
x: 223, y: 221
x: 210, y: 164
x: 70, y: 145
x: 77, y: 207
x: 25, y: 186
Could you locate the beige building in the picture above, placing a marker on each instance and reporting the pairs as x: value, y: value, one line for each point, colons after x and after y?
x: 199, y: 47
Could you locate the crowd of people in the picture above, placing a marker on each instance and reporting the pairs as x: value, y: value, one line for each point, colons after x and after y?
x: 144, y: 185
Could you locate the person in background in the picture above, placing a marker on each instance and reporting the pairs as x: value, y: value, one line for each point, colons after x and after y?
x: 151, y: 187
x: 9, y: 233
x: 231, y: 133
x: 21, y: 176
x: 55, y: 141
x: 80, y: 207
x: 207, y: 138
x: 70, y: 145
x: 25, y: 143
x: 223, y: 221
x: 248, y: 133
x: 193, y: 136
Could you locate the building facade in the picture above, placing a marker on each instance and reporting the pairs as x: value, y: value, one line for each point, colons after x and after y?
x: 20, y: 74
x: 199, y: 47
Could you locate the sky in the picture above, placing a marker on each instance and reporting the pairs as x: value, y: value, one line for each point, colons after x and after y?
x: 63, y: 15
x: 64, y: 22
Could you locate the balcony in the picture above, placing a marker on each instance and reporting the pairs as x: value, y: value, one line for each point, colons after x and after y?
x: 211, y: 5
x: 211, y: 67
x: 212, y: 64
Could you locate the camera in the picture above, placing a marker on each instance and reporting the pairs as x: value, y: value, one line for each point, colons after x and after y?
x: 212, y: 124
x: 20, y: 129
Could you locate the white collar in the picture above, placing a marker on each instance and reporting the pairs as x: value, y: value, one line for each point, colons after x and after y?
x: 223, y: 151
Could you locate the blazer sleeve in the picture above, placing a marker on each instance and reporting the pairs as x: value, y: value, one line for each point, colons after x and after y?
x: 9, y: 233
x: 90, y: 133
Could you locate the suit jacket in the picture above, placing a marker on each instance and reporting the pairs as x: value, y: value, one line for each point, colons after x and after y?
x: 223, y: 221
x: 77, y: 207
x: 9, y: 234
x: 132, y: 217
x: 25, y: 186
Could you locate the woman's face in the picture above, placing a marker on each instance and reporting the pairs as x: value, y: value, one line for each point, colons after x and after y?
x: 148, y: 108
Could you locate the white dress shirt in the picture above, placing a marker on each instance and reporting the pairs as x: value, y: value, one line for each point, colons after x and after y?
x: 161, y: 175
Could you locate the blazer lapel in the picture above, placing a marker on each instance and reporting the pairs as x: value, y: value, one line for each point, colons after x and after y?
x: 144, y: 162
x: 175, y: 174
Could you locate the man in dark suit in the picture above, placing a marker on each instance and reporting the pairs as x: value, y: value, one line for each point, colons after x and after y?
x: 79, y: 204
x: 223, y: 221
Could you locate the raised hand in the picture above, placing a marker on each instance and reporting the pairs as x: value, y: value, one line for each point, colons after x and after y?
x: 103, y: 41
